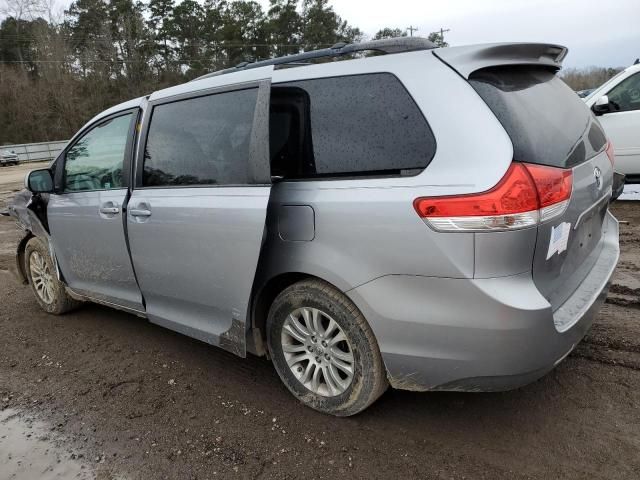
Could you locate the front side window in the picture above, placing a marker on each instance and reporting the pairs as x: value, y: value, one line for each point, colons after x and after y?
x: 95, y: 162
x: 201, y: 141
x: 625, y: 96
x: 347, y: 126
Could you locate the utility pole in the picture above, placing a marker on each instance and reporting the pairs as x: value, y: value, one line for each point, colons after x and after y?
x: 412, y: 29
x: 442, y: 30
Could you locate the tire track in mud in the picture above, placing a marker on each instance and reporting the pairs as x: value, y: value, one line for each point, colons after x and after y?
x: 616, y: 358
x: 623, y: 302
x: 614, y: 337
x: 624, y: 290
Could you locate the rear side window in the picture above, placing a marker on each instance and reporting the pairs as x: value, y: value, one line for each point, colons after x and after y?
x: 347, y: 126
x: 200, y: 141
x: 547, y: 122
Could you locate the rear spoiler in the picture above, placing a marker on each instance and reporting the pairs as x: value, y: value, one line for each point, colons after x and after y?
x: 468, y: 59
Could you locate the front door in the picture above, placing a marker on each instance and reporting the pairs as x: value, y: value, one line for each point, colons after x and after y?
x: 622, y: 126
x: 196, y: 217
x: 85, y: 215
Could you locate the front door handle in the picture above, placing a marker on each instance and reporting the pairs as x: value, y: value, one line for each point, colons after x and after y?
x: 140, y: 212
x: 109, y: 210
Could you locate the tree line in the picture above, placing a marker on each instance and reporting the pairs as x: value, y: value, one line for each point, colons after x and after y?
x: 588, y: 77
x: 56, y: 72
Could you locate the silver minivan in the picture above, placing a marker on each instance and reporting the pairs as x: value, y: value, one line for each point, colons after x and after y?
x: 429, y: 219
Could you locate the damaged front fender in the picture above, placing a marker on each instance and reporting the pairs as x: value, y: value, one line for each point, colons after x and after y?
x: 19, y: 269
x: 29, y: 212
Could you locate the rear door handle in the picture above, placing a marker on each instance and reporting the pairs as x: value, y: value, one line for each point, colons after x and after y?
x: 140, y: 212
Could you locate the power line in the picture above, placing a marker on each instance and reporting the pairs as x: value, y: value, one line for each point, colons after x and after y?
x: 212, y: 44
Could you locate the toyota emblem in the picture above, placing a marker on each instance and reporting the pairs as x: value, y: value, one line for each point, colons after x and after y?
x: 597, y: 173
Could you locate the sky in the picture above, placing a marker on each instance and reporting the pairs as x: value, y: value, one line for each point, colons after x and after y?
x: 604, y: 33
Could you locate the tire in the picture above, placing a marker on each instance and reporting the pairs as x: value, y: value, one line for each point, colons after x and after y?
x: 50, y: 293
x: 304, y: 347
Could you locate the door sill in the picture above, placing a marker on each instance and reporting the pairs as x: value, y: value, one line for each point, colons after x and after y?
x: 86, y: 298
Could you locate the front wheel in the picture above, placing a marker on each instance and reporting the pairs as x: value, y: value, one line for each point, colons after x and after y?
x: 324, y: 350
x: 48, y: 290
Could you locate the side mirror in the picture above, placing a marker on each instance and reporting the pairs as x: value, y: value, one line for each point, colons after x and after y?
x: 601, y: 106
x: 39, y: 181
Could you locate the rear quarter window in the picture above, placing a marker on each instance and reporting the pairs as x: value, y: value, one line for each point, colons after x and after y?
x: 347, y: 126
x: 547, y: 122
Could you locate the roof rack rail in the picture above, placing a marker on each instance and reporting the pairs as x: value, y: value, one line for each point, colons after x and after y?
x: 387, y: 45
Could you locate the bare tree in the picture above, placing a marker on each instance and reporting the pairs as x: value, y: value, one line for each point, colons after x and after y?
x: 588, y: 77
x: 53, y: 11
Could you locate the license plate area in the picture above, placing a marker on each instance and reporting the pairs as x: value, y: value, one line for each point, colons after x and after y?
x: 588, y: 228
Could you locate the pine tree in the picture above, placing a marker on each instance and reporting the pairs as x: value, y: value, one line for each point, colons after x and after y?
x: 284, y: 27
x: 244, y: 31
x: 88, y: 23
x: 389, y: 33
x: 187, y: 29
x: 159, y: 23
x: 322, y: 27
x: 131, y: 37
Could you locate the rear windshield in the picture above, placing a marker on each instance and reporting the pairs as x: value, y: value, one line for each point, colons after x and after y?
x: 547, y: 122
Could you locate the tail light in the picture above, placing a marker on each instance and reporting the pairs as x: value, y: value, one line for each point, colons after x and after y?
x: 610, y: 152
x: 526, y: 195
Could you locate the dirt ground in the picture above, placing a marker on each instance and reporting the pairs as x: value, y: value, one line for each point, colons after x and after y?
x: 100, y: 393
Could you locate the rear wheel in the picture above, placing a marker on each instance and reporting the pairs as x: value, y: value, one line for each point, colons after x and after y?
x: 323, y: 349
x: 48, y: 290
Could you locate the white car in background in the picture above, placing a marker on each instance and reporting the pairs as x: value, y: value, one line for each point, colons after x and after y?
x: 8, y: 158
x: 617, y: 105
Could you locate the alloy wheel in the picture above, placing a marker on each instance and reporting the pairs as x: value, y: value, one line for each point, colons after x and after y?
x: 41, y: 277
x: 317, y: 351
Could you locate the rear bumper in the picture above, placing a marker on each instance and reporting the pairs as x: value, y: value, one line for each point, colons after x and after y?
x: 479, y: 334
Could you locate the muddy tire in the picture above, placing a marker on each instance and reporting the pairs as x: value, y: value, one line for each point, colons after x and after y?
x: 48, y: 290
x: 324, y: 350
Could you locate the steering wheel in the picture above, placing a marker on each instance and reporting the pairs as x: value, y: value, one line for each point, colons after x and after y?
x: 83, y: 181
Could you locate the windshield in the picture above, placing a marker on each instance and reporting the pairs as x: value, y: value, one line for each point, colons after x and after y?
x: 608, y: 82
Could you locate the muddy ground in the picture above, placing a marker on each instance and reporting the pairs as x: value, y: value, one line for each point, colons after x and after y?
x: 106, y: 394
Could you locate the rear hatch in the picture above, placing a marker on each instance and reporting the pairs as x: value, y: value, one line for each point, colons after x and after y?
x: 548, y: 125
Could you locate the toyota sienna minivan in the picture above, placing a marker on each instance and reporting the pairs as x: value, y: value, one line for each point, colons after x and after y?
x: 426, y: 218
